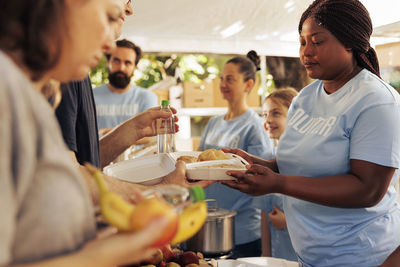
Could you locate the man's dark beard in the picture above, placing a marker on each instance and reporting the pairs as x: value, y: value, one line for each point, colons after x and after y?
x: 119, y: 79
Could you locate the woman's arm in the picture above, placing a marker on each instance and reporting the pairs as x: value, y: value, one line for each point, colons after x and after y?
x: 115, y: 250
x: 364, y: 186
x: 251, y: 159
x: 129, y: 132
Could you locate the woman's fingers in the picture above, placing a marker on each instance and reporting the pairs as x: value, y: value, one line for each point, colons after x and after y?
x: 256, y: 169
x: 146, y: 237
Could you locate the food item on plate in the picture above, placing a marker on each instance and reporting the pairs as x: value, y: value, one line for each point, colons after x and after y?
x: 188, y: 159
x: 225, y: 166
x: 212, y: 154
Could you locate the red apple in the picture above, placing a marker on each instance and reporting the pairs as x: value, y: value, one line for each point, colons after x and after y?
x: 152, y: 208
x: 187, y: 258
x: 169, y: 255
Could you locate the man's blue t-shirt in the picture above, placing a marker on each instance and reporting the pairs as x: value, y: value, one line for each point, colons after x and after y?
x: 246, y: 133
x: 113, y: 109
x: 324, y: 131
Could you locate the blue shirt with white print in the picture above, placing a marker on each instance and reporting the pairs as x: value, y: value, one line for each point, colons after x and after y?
x: 245, y: 132
x: 324, y: 132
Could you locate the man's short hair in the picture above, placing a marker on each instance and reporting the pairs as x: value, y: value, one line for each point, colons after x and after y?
x: 128, y: 44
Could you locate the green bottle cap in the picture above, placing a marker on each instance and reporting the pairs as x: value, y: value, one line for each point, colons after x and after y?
x: 197, y: 193
x: 164, y: 103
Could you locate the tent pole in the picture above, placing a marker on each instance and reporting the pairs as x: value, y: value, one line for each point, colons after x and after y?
x: 263, y: 76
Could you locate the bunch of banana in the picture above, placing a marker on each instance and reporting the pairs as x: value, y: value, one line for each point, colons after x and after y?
x: 115, y: 210
x: 191, y: 220
x: 128, y: 217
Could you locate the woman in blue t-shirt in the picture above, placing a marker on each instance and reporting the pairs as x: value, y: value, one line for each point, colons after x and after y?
x: 338, y: 158
x: 240, y: 127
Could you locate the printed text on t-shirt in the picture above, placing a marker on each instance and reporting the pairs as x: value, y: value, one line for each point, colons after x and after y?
x: 117, y: 110
x: 223, y: 140
x: 304, y: 124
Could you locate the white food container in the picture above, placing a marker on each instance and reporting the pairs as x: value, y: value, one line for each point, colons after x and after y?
x: 149, y: 170
x: 257, y: 262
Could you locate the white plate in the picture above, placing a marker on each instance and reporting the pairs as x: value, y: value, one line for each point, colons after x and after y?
x: 257, y: 262
x: 149, y: 170
x: 204, y: 170
x: 146, y: 170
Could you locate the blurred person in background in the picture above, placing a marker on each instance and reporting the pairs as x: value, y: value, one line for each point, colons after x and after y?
x: 119, y: 100
x: 240, y: 127
x: 275, y: 236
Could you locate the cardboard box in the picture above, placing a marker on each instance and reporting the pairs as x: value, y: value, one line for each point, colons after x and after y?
x: 196, y: 142
x: 253, y: 99
x: 162, y: 95
x: 176, y: 96
x: 219, y: 101
x: 388, y: 55
x: 198, y: 94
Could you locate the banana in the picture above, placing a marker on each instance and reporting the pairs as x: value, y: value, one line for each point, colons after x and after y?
x: 190, y: 221
x: 114, y: 208
x: 119, y: 213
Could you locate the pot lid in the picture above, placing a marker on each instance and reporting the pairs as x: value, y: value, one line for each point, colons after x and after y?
x: 215, y: 213
x: 220, y: 213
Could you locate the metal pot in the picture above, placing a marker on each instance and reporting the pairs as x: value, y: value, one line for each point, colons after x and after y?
x: 216, y: 237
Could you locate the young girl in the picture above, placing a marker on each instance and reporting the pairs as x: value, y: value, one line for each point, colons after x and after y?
x: 240, y: 128
x: 339, y: 157
x: 275, y: 237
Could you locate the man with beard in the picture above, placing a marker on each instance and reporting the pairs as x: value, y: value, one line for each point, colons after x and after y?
x: 119, y: 100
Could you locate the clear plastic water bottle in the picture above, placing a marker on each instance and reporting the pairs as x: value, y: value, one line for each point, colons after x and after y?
x: 166, y: 131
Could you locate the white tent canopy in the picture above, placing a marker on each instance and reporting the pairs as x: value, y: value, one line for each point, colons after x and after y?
x: 230, y: 26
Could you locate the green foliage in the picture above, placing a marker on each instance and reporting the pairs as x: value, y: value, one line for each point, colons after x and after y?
x: 99, y: 74
x: 153, y: 68
x: 392, y: 76
x: 195, y: 68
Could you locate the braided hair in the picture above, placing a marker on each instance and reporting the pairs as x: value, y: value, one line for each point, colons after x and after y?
x: 350, y: 23
x: 248, y: 66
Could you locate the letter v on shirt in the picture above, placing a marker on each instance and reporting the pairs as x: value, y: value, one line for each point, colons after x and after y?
x: 307, y: 125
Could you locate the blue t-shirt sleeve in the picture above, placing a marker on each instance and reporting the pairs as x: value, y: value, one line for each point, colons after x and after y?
x: 263, y: 202
x: 151, y: 101
x: 375, y: 136
x: 259, y: 144
x: 204, y: 135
